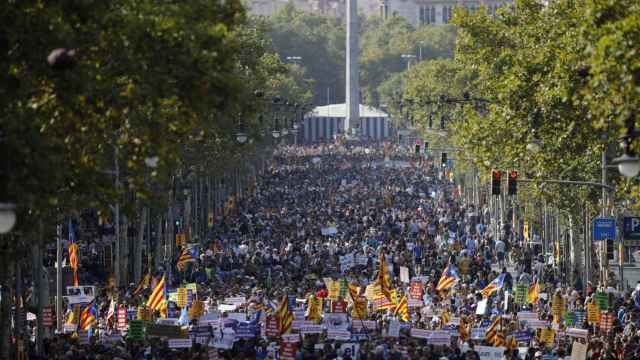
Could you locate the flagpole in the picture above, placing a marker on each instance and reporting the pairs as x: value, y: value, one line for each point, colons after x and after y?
x: 59, y: 278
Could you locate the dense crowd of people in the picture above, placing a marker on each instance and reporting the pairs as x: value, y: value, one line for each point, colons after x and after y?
x: 321, y: 226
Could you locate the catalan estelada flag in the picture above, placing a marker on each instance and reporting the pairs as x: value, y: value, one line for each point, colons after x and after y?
x: 144, y: 283
x: 186, y: 256
x: 284, y: 316
x: 73, y: 253
x: 448, y: 279
x: 493, y: 286
x: 88, y: 316
x: 402, y: 309
x: 384, y: 280
x: 158, y: 295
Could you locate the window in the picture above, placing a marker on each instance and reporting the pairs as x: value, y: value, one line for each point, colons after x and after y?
x: 433, y: 14
x: 444, y: 14
x: 422, y: 16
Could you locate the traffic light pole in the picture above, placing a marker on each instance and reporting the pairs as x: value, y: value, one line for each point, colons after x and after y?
x: 570, y: 182
x: 604, y: 187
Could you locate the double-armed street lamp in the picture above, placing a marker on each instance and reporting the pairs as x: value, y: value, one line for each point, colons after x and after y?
x: 407, y: 105
x: 286, y: 118
x: 408, y: 58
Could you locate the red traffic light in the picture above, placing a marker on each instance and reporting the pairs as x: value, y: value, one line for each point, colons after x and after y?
x: 496, y: 174
x: 512, y: 183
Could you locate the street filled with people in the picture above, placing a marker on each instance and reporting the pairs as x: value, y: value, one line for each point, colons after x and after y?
x: 352, y: 251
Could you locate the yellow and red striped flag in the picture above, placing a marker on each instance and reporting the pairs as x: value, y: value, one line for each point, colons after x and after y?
x: 284, y: 316
x: 402, y: 309
x: 384, y: 280
x: 143, y: 284
x: 157, y: 295
x: 492, y: 332
x: 73, y: 253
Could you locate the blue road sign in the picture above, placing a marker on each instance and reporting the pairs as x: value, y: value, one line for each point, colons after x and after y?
x: 604, y: 229
x: 631, y: 228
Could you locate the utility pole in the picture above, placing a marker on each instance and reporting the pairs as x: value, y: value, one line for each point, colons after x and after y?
x: 116, y: 267
x: 603, y: 244
x: 38, y: 287
x: 59, y: 278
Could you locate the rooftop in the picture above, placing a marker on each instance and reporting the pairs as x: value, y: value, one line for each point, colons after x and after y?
x: 339, y: 110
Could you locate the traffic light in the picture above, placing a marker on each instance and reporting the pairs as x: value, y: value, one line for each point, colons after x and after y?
x: 443, y: 159
x: 426, y: 148
x: 496, y: 177
x: 512, y: 182
x: 417, y: 149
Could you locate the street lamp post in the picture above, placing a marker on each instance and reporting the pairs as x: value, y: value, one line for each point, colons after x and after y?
x: 294, y: 59
x: 60, y: 60
x: 7, y: 217
x: 408, y: 58
x: 628, y: 163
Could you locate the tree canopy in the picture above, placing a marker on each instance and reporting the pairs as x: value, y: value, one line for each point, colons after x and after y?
x: 145, y: 80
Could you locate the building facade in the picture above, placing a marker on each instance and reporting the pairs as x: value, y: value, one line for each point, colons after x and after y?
x: 417, y: 12
x: 434, y: 12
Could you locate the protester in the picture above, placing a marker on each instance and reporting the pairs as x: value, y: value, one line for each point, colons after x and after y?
x: 328, y: 227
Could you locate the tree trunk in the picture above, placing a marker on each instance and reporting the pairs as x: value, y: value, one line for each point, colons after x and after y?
x: 170, y: 235
x: 125, y: 263
x: 160, y: 236
x: 38, y: 286
x: 6, y: 277
x: 137, y: 246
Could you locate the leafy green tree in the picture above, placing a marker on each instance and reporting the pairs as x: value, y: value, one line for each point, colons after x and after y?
x: 384, y: 42
x: 148, y: 79
x: 319, y: 41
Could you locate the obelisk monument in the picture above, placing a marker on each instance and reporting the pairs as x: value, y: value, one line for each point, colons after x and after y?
x: 352, y: 118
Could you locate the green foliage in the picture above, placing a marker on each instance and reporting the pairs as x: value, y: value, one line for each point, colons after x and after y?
x: 385, y: 41
x: 150, y: 79
x: 559, y: 73
x: 319, y: 41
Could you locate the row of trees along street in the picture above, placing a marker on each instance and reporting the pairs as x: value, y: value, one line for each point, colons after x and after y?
x: 135, y: 112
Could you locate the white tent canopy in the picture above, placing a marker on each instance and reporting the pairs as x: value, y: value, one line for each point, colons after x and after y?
x: 340, y: 110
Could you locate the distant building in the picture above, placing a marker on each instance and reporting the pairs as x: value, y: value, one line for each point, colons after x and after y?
x: 324, y: 122
x: 417, y: 12
x: 433, y: 12
x: 331, y: 8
